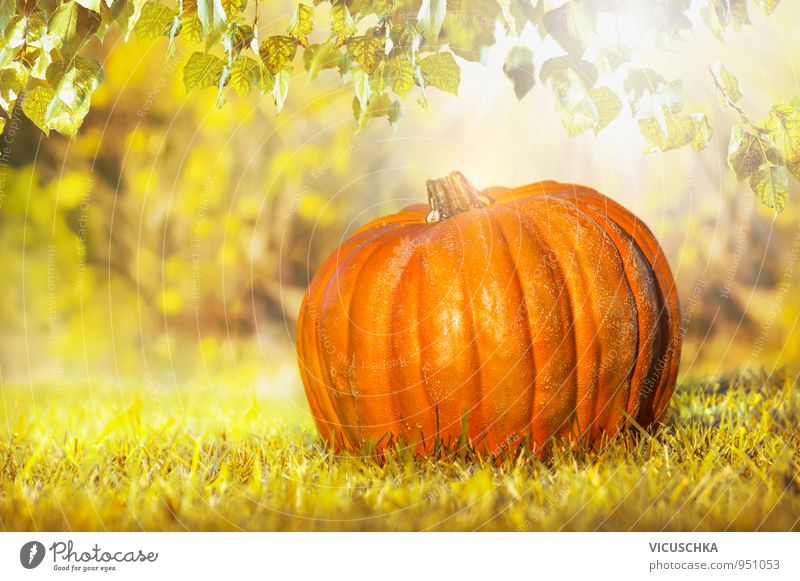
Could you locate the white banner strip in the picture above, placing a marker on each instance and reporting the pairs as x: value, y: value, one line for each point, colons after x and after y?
x: 400, y: 556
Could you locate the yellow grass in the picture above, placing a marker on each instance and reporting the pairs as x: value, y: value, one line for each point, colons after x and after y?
x: 81, y: 458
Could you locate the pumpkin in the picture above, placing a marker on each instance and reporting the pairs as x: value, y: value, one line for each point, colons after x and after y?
x: 535, y: 314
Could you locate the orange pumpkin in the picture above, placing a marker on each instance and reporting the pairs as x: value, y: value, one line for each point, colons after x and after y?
x: 514, y: 314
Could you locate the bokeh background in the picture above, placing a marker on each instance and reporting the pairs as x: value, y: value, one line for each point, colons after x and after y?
x: 170, y: 242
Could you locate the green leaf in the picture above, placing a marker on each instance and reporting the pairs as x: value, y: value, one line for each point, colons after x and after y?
x: 318, y: 57
x: 342, y: 25
x: 212, y: 18
x: 784, y: 126
x: 596, y: 111
x: 35, y: 105
x: 399, y: 74
x: 580, y: 118
x: 768, y: 6
x: 302, y: 21
x: 362, y: 86
x: 519, y: 68
x: 202, y: 70
x: 431, y: 17
x: 276, y: 52
x: 516, y: 13
x: 746, y: 152
x: 571, y: 26
x: 367, y: 51
x: 191, y: 27
x: 29, y: 31
x: 155, y: 21
x: 63, y: 119
x: 771, y: 184
x: 649, y: 94
x: 469, y: 27
x: 245, y: 75
x: 235, y: 39
x: 440, y: 70
x: 232, y: 8
x: 568, y: 80
x: 108, y: 14
x: 674, y: 130
x: 222, y: 82
x: 727, y: 84
x: 380, y: 105
x: 12, y: 81
x: 75, y: 85
x: 608, y: 106
x: 739, y: 14
x: 702, y: 131
x: 716, y: 16
x: 129, y: 14
x: 174, y: 31
x: 7, y: 11
x: 280, y: 88
x: 71, y: 27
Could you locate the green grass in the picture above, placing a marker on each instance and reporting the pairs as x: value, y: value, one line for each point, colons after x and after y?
x: 77, y: 458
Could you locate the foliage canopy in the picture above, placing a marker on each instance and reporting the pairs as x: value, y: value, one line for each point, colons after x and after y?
x: 386, y: 48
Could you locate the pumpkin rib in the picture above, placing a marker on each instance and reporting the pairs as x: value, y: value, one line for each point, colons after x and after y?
x: 362, y: 343
x: 528, y: 353
x: 414, y: 387
x: 537, y: 409
x: 315, y: 289
x: 581, y: 319
x: 608, y: 415
x: 440, y: 239
x: 394, y: 380
x: 324, y: 413
x: 568, y: 324
x: 626, y: 281
x: 648, y: 321
x: 542, y: 373
x: 425, y: 389
x: 350, y: 351
x: 490, y: 360
x: 472, y: 333
x: 661, y: 393
x: 369, y: 404
x: 608, y: 380
x: 350, y: 423
x: 373, y: 268
x: 671, y: 319
x: 608, y: 387
x: 450, y: 416
x: 414, y: 232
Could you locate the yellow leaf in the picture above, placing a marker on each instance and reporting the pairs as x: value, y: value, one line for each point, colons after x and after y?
x: 277, y: 51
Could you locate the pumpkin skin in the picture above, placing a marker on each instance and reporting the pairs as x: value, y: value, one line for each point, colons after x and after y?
x: 514, y: 314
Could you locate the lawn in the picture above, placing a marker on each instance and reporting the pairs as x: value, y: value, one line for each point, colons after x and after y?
x: 99, y: 458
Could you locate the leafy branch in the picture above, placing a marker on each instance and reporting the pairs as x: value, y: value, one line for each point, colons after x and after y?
x: 764, y: 154
x: 390, y: 50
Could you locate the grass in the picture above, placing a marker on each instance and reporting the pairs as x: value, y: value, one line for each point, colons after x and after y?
x: 199, y: 459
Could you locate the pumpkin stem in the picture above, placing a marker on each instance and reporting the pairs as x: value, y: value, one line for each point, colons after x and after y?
x: 452, y: 195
